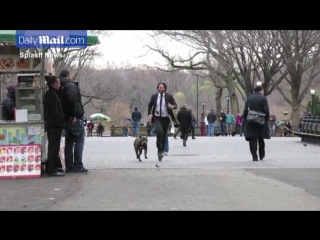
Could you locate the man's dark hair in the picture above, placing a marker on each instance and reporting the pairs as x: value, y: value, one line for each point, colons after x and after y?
x: 64, y: 73
x: 258, y: 89
x: 165, y: 86
x: 51, y: 80
x: 135, y: 108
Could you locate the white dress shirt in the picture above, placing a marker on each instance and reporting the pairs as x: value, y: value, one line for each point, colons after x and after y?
x: 163, y: 107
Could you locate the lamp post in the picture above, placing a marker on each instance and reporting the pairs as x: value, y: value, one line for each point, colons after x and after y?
x: 203, y: 104
x: 312, y: 91
x: 197, y: 101
x: 228, y: 100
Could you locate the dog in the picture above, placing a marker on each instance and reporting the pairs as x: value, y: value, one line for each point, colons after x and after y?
x: 141, y: 143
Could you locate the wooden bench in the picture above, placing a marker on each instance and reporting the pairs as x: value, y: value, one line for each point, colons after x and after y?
x: 308, y: 137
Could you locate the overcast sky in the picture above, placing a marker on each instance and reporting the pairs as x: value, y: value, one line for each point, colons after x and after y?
x: 128, y: 47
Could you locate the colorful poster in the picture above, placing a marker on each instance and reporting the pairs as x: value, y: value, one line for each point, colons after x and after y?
x: 20, y: 161
x: 19, y: 135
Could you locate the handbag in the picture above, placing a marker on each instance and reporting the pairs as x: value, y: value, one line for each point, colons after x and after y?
x: 255, y: 117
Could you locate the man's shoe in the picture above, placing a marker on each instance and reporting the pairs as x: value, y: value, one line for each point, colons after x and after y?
x: 184, y: 143
x: 255, y: 159
x: 68, y: 170
x: 60, y: 170
x: 81, y: 170
x: 262, y: 157
x: 193, y: 138
x: 56, y: 174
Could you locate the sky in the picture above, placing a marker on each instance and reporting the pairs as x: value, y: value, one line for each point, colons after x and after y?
x: 127, y: 47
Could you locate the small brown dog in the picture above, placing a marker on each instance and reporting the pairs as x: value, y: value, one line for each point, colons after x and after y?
x: 141, y: 143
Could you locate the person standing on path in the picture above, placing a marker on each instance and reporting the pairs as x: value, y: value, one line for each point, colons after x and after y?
x: 254, y: 133
x: 239, y: 124
x: 136, y: 118
x: 202, y: 125
x: 54, y: 124
x: 206, y: 123
x: 73, y: 111
x: 211, y: 118
x: 223, y: 123
x: 229, y: 123
x: 159, y: 109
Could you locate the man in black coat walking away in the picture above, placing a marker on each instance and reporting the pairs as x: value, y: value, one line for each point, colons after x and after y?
x: 73, y: 111
x: 255, y: 133
x: 159, y: 109
x: 184, y: 117
x: 54, y: 123
x: 136, y: 118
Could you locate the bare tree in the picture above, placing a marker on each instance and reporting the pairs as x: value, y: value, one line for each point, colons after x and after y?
x: 100, y: 85
x: 199, y: 60
x: 300, y: 52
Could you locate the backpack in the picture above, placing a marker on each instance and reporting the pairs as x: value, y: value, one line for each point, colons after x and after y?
x: 229, y: 119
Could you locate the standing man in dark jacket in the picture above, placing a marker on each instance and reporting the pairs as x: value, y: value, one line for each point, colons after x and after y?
x: 70, y: 98
x: 184, y: 117
x: 8, y: 104
x: 255, y: 134
x: 223, y: 118
x: 54, y: 123
x: 159, y: 109
x: 211, y: 118
x: 136, y: 117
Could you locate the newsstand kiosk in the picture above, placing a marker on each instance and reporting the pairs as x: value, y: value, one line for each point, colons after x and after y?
x: 22, y: 141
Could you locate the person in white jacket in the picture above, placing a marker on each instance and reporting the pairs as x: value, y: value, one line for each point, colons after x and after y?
x: 207, y: 124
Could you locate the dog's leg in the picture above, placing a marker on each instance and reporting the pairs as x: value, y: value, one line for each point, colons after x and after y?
x: 140, y: 152
x: 145, y: 153
x: 137, y: 154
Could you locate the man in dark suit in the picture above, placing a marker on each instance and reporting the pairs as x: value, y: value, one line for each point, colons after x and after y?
x: 159, y: 109
x: 255, y: 134
x: 54, y: 123
x: 184, y: 117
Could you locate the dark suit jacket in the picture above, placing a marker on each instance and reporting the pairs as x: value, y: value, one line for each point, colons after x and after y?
x: 168, y: 99
x: 185, y: 118
x: 259, y: 103
x: 52, y: 110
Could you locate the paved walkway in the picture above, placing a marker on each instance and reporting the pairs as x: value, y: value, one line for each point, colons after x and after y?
x: 204, y: 152
x: 209, y: 174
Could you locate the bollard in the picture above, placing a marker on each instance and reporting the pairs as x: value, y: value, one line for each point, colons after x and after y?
x: 307, y: 124
x: 303, y: 128
x: 312, y: 126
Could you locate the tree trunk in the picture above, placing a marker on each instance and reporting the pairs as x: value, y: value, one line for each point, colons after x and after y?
x: 218, y: 101
x: 295, y: 105
x: 295, y: 117
x: 233, y: 96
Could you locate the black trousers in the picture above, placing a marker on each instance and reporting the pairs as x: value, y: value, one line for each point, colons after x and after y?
x: 90, y: 133
x: 54, y: 137
x: 239, y: 130
x: 192, y: 131
x: 162, y: 124
x: 253, y: 143
x: 185, y: 133
x: 178, y: 131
